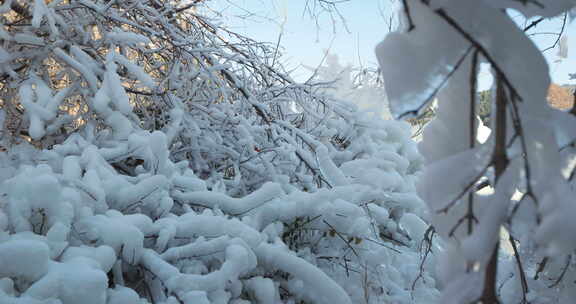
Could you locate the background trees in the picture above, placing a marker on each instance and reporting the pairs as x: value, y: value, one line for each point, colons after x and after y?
x: 151, y: 155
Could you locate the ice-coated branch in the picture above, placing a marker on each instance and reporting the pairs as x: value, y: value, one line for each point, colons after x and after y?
x: 319, y: 287
x: 232, y: 206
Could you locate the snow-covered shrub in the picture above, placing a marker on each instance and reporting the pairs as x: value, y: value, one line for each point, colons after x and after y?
x: 152, y: 156
x: 527, y: 158
x: 70, y: 216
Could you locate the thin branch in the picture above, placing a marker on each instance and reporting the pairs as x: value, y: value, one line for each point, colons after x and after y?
x: 341, y: 237
x: 408, y: 16
x: 481, y: 48
x: 541, y: 267
x: 472, y: 129
x: 559, y: 35
x: 439, y: 87
x: 533, y: 24
x: 426, y: 241
x: 523, y: 280
x: 468, y: 187
x: 564, y: 270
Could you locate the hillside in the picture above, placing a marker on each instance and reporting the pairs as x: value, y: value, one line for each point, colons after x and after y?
x: 561, y: 97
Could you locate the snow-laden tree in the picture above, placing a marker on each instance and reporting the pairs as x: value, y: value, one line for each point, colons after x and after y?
x: 530, y: 150
x: 150, y: 155
x: 363, y: 86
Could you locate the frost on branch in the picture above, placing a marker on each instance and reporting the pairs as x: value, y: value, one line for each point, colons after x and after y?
x: 526, y: 159
x: 151, y: 156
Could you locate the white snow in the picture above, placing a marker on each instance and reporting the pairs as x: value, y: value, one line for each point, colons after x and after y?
x: 143, y: 179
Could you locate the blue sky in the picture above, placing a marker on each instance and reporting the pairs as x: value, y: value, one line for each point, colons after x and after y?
x: 304, y: 41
